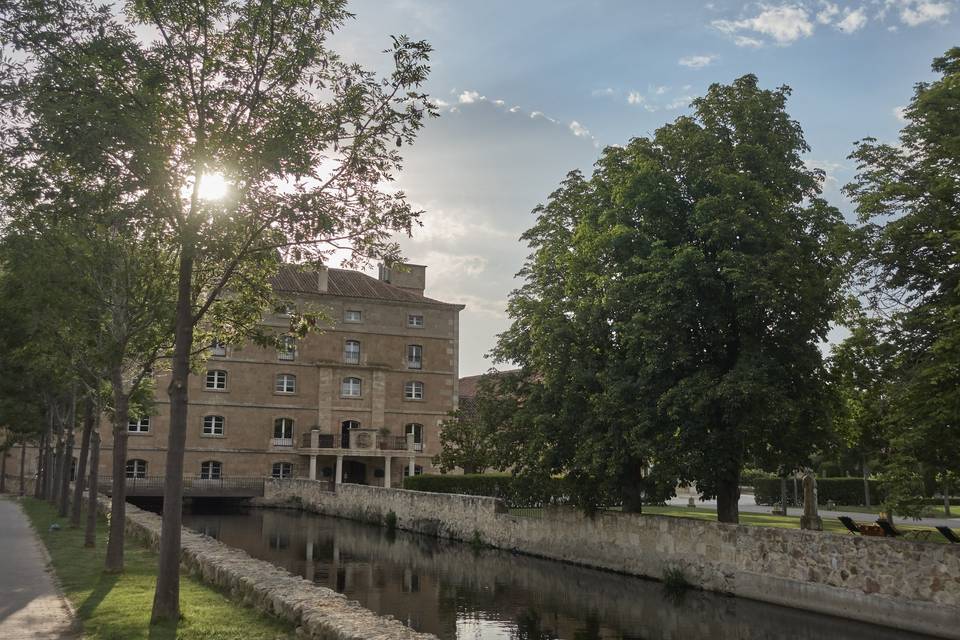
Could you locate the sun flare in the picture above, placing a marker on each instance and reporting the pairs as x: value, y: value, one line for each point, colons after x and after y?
x: 213, y: 186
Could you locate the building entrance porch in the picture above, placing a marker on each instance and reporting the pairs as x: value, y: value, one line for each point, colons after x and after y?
x: 365, y: 456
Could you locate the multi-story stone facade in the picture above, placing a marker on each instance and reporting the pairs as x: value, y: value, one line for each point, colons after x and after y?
x: 361, y: 401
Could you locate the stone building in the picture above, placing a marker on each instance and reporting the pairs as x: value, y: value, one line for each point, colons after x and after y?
x: 360, y: 402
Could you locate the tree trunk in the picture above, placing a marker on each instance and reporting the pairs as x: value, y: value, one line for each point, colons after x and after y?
x: 728, y: 499
x: 783, y: 494
x: 3, y: 470
x: 23, y: 463
x: 68, y: 459
x: 82, y: 462
x: 55, y: 482
x: 866, y: 482
x: 166, y: 599
x: 41, y: 467
x: 946, y: 495
x: 90, y: 533
x: 632, y: 488
x: 118, y: 502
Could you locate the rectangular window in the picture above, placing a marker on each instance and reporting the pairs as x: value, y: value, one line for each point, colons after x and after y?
x: 282, y: 470
x: 352, y: 315
x: 413, y: 390
x: 213, y: 425
x: 414, y: 356
x: 351, y: 352
x: 415, y: 320
x: 350, y: 387
x: 136, y: 468
x: 282, y: 432
x: 288, y: 348
x: 286, y: 383
x: 216, y: 380
x: 139, y: 425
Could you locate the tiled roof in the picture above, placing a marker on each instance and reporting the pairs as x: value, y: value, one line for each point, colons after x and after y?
x: 343, y: 282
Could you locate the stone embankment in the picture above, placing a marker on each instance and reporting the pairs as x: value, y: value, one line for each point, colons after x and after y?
x: 905, y: 585
x: 319, y: 613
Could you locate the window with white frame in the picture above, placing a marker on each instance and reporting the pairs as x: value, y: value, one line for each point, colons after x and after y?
x: 282, y: 470
x: 218, y: 349
x: 350, y: 387
x: 417, y: 470
x: 414, y: 356
x: 413, y: 390
x: 285, y: 383
x: 139, y: 425
x: 136, y: 468
x: 213, y: 425
x: 216, y: 380
x: 283, y: 432
x: 351, y: 352
x: 288, y: 348
x: 415, y: 429
x: 211, y: 470
x: 415, y: 320
x: 352, y: 315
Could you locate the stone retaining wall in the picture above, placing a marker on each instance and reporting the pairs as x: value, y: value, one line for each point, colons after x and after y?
x: 318, y: 612
x: 905, y: 585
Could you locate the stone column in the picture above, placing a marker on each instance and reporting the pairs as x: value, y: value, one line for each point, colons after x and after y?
x: 313, y: 467
x: 413, y: 466
x: 309, y: 567
x: 386, y: 472
x: 810, y: 519
x: 339, y: 474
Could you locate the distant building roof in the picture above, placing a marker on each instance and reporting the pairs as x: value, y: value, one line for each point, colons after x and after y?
x: 343, y: 282
x: 468, y: 385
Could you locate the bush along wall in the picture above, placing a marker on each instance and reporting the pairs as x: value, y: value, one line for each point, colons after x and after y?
x: 846, y: 491
x: 515, y: 493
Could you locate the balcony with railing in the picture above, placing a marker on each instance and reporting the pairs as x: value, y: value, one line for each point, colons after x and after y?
x: 369, y: 441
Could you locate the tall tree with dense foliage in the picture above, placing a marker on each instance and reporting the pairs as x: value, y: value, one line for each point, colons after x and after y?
x: 908, y: 201
x: 674, y: 305
x: 243, y: 90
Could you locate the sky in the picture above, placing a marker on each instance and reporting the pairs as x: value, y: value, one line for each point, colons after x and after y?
x: 530, y: 90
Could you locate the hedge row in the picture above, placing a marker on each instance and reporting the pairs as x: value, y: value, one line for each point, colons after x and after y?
x: 514, y: 493
x: 847, y: 491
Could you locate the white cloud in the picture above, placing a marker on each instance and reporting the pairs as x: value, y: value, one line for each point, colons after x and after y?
x: 697, y: 62
x: 916, y: 12
x: 785, y: 24
x: 900, y: 113
x: 441, y: 103
x: 499, y: 103
x: 660, y: 90
x: 746, y: 41
x: 579, y: 130
x: 680, y: 103
x: 608, y: 91
x: 634, y: 97
x: 514, y: 109
x: 853, y: 21
x: 469, y: 97
x: 827, y: 12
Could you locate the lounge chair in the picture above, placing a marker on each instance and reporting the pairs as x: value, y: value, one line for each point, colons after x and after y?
x: 851, y: 526
x: 891, y: 531
x: 949, y: 534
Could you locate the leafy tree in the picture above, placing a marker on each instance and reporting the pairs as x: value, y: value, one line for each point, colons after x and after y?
x: 253, y: 92
x: 906, y: 196
x: 469, y: 438
x: 861, y: 370
x: 674, y: 304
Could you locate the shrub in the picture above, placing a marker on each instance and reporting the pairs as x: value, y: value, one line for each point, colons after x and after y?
x: 842, y: 491
x: 749, y: 476
x: 513, y: 491
x: 675, y: 579
x: 390, y: 521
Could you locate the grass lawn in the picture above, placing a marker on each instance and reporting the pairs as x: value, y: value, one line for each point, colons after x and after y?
x: 831, y: 525
x: 117, y: 607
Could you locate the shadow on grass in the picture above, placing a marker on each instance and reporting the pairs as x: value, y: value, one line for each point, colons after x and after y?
x: 104, y: 585
x: 165, y: 631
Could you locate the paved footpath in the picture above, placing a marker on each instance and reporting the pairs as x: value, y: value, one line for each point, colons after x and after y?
x: 31, y: 605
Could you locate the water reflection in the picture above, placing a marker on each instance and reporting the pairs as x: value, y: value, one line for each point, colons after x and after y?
x: 454, y: 592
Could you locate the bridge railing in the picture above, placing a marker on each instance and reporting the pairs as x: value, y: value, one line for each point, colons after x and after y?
x: 192, y: 484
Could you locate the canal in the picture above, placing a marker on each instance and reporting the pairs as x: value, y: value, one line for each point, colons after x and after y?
x: 458, y: 593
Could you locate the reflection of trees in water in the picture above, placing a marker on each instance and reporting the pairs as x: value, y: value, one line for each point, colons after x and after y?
x: 530, y: 627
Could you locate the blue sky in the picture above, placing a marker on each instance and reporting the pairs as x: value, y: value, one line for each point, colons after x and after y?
x: 530, y: 90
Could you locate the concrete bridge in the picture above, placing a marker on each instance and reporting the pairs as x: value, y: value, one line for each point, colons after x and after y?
x: 193, y: 487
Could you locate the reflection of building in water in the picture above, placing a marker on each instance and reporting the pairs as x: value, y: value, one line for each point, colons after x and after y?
x: 445, y: 588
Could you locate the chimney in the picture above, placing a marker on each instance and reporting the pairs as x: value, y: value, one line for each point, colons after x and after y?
x: 412, y: 277
x: 323, y: 278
